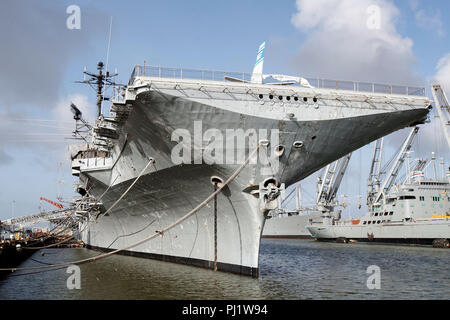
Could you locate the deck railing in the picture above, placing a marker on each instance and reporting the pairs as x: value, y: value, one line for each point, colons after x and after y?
x: 204, y: 75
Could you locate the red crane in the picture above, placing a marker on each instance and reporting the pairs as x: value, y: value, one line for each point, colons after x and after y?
x: 59, y: 205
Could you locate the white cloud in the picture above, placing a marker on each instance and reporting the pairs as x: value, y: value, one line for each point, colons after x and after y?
x: 62, y: 111
x: 442, y: 76
x: 341, y: 44
x: 48, y: 138
x: 431, y: 136
x: 36, y: 49
x: 433, y: 133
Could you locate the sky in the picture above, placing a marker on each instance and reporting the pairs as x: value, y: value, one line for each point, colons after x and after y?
x: 399, y: 42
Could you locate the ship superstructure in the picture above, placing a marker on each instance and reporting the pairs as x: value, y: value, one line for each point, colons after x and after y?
x: 175, y: 135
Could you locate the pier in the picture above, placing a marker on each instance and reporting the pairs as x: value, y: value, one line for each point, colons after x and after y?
x: 14, y: 252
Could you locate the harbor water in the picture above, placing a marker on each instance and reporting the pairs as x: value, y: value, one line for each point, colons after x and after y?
x: 289, y: 269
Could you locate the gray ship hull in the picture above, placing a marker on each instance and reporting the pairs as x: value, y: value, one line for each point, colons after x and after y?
x: 289, y: 227
x: 166, y: 192
x: 416, y: 212
x: 410, y: 233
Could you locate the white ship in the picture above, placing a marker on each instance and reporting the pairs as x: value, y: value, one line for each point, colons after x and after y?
x: 289, y: 225
x: 165, y: 120
x: 282, y: 223
x: 285, y: 223
x: 416, y: 211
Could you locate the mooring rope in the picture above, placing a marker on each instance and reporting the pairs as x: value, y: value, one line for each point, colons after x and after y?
x: 151, y: 160
x: 132, y: 233
x: 78, y: 220
x: 159, y: 233
x: 39, y: 239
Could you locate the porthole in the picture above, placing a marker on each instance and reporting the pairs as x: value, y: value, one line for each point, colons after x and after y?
x: 261, y: 96
x: 378, y: 221
x: 315, y: 99
x: 280, y: 97
x: 297, y: 144
x: 305, y: 99
x: 215, y: 180
x: 313, y: 137
x: 270, y: 96
x: 270, y: 181
x: 295, y: 98
x: 288, y: 98
x: 279, y: 150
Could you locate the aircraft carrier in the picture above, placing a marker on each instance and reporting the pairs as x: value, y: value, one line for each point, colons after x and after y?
x: 158, y: 155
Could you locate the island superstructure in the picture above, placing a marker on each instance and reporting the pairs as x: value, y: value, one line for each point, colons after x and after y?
x: 176, y: 122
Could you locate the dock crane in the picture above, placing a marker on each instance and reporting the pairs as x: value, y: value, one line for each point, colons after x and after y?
x: 329, y: 184
x: 374, y: 197
x: 58, y: 205
x: 441, y: 103
x: 374, y: 180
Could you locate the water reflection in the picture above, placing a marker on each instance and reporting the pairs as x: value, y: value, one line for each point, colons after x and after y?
x: 289, y: 269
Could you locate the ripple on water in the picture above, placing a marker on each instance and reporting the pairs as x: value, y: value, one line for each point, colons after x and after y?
x: 289, y: 269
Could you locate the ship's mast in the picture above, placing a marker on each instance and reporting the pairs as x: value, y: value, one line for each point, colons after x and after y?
x: 99, y: 88
x: 99, y: 82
